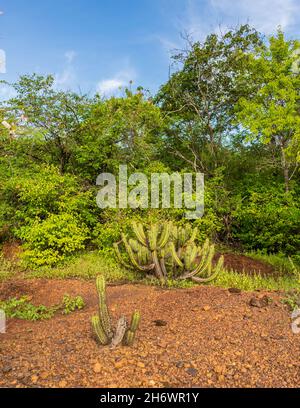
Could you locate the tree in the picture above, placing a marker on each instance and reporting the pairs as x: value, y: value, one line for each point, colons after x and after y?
x: 201, y: 96
x: 119, y: 130
x: 272, y: 115
x: 47, y: 115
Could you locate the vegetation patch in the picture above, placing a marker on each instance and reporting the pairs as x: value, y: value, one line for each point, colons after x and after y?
x: 22, y: 308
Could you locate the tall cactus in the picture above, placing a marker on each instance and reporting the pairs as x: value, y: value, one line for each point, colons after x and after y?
x: 169, y: 251
x: 101, y: 323
x: 103, y: 310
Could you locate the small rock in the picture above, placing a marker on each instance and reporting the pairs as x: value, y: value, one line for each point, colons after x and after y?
x: 179, y: 364
x: 6, y: 369
x: 62, y: 384
x: 160, y: 323
x: 234, y: 290
x: 260, y: 302
x: 140, y: 364
x: 206, y: 308
x: 192, y: 371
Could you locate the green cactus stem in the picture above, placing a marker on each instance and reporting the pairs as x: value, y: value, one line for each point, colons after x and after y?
x: 131, y: 332
x: 103, y: 310
x: 99, y: 331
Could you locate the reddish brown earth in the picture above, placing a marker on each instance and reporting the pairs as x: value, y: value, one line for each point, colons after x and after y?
x: 245, y: 264
x: 11, y: 251
x: 212, y: 338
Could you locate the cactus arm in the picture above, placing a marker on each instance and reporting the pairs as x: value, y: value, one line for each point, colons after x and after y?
x: 204, y: 265
x: 130, y: 334
x: 165, y: 235
x: 211, y: 277
x: 193, y: 235
x: 175, y: 256
x: 139, y: 232
x: 120, y: 332
x: 119, y: 256
x: 135, y: 320
x: 153, y: 233
x: 132, y: 257
x: 98, y: 331
x: 129, y: 338
x: 207, y: 264
x: 190, y: 256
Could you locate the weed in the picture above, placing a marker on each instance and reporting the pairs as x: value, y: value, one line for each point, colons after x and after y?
x: 23, y: 309
x: 70, y: 304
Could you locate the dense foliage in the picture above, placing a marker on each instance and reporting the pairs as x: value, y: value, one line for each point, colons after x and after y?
x: 230, y: 109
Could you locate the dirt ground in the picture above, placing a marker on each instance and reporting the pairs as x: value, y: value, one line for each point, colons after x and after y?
x: 211, y: 338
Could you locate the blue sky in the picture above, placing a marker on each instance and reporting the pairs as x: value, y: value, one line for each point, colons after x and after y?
x: 99, y: 45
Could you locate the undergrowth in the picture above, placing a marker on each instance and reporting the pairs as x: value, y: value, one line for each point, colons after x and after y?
x: 22, y: 308
x: 91, y: 264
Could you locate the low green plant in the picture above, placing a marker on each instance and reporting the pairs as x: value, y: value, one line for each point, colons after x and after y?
x: 23, y: 309
x: 292, y: 300
x: 87, y: 266
x: 244, y: 281
x: 284, y: 265
x: 169, y: 252
x: 102, y: 326
x: 70, y: 304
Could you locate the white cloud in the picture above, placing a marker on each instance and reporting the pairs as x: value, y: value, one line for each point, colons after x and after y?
x: 67, y: 78
x: 2, y: 62
x: 109, y: 86
x: 265, y: 15
x: 198, y: 18
x: 70, y: 56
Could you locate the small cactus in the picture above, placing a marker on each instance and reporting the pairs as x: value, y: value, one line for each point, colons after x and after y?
x: 101, y: 323
x: 134, y: 325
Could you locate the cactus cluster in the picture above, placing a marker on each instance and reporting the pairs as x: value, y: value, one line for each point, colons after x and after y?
x: 169, y: 252
x: 102, y: 326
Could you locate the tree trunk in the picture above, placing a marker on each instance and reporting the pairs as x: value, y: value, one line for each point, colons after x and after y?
x: 285, y: 169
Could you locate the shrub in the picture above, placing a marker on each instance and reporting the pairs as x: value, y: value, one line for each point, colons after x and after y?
x: 268, y: 220
x: 53, y: 240
x: 35, y: 195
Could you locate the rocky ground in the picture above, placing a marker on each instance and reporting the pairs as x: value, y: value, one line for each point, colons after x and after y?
x: 205, y: 337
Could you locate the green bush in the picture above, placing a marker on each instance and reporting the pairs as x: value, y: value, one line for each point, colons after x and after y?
x: 53, y: 240
x: 268, y: 220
